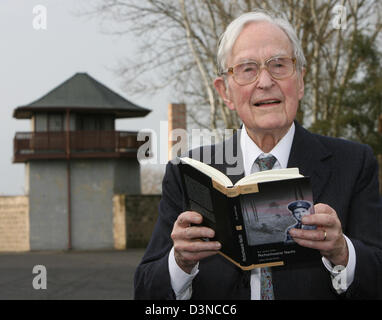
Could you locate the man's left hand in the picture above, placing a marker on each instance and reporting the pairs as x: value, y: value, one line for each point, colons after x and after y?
x: 328, y: 237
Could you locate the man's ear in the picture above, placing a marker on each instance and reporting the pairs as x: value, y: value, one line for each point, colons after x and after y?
x: 221, y: 88
x: 301, y: 83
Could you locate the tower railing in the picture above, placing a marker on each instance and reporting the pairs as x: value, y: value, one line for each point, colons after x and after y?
x: 56, y: 145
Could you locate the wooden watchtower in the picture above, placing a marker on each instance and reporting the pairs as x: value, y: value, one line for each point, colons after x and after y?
x: 75, y: 162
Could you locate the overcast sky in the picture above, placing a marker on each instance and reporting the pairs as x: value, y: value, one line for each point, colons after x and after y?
x: 32, y: 62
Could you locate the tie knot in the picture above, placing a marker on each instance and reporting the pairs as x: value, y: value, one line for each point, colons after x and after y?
x: 266, y: 163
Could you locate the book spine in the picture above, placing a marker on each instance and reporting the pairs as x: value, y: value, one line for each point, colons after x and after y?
x: 239, y: 231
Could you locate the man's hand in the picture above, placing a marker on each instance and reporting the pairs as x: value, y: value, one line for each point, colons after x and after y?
x: 188, y: 246
x: 328, y: 237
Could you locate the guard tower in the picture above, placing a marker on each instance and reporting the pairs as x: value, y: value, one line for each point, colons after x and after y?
x: 75, y: 162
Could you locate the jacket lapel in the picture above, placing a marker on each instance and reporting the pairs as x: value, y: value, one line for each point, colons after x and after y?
x: 312, y: 158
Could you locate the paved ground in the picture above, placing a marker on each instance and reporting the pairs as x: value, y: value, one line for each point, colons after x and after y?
x: 74, y: 275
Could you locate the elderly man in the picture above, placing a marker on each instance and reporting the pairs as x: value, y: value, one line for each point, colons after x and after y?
x: 262, y: 79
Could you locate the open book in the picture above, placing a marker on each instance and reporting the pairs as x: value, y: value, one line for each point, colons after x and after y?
x: 251, y: 218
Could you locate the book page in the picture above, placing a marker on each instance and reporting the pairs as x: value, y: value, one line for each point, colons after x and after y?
x: 270, y: 175
x: 208, y: 170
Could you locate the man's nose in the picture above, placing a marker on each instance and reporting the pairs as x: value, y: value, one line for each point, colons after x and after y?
x: 264, y: 79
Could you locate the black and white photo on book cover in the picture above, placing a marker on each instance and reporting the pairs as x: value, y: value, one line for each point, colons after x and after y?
x: 269, y: 214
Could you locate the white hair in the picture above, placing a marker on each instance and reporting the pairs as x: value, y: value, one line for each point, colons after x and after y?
x: 228, y: 38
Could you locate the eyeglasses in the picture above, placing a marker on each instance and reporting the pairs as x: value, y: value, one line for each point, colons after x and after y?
x: 248, y: 71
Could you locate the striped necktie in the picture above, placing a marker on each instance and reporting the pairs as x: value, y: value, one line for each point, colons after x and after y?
x: 266, y: 291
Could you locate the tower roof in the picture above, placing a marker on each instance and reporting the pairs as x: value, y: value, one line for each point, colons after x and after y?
x: 82, y: 93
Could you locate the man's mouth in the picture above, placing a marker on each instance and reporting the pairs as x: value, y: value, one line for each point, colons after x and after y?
x: 267, y: 102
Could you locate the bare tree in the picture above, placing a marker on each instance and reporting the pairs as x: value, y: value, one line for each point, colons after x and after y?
x: 179, y: 41
x: 333, y: 60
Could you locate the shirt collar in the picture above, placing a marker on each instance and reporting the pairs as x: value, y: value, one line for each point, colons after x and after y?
x: 251, y: 151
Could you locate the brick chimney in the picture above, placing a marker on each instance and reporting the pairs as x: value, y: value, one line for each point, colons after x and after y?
x: 177, y: 119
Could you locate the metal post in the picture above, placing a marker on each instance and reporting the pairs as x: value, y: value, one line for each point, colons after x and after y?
x: 379, y: 156
x: 68, y: 180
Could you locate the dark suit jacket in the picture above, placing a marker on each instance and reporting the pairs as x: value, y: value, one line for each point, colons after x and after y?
x: 343, y: 174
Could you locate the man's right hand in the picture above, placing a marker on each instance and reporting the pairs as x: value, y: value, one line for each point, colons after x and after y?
x: 189, y: 249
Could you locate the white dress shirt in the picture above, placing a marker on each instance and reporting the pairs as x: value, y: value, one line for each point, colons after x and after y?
x: 182, y: 282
